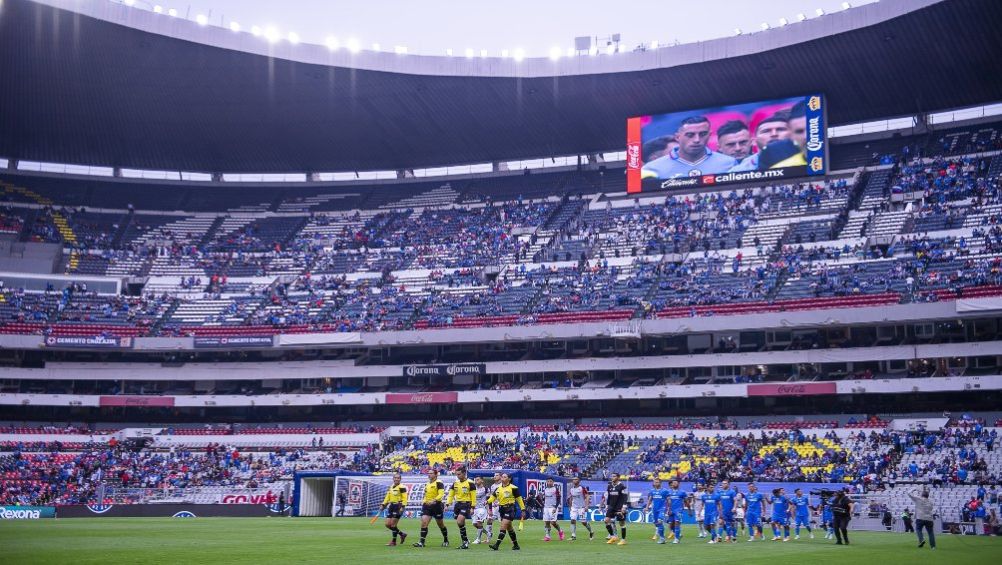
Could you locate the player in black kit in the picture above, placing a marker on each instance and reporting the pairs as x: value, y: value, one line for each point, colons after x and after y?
x: 617, y: 498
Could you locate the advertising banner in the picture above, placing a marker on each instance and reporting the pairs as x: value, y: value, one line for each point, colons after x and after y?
x: 88, y: 342
x: 234, y: 341
x: 792, y: 389
x: 151, y: 401
x: 451, y: 370
x: 422, y: 398
x: 26, y: 512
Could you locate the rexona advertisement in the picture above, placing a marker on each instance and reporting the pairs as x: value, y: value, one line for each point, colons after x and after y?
x: 771, y: 140
x: 26, y: 512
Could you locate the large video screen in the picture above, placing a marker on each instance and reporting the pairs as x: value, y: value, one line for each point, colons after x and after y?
x: 771, y: 140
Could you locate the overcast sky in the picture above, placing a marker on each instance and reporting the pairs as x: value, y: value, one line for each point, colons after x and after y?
x: 536, y: 26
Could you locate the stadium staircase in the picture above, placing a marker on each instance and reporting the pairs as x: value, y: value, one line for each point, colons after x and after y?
x: 606, y: 455
x: 161, y: 320
x: 123, y: 227
x: 284, y: 242
x: 210, y: 234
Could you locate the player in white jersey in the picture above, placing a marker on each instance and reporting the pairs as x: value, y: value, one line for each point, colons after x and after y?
x: 493, y: 511
x: 481, y: 512
x: 577, y: 499
x: 551, y: 509
x: 697, y: 508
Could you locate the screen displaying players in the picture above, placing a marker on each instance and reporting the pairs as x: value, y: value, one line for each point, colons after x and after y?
x: 768, y: 140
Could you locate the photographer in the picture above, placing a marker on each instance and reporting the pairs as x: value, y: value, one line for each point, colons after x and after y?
x: 841, y: 514
x: 923, y: 517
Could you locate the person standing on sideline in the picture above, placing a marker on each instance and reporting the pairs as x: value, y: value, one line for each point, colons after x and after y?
x: 923, y: 517
x: 906, y: 519
x: 841, y: 514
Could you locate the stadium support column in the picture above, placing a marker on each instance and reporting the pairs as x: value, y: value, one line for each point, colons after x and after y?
x: 12, y: 164
x: 116, y: 172
x: 217, y: 177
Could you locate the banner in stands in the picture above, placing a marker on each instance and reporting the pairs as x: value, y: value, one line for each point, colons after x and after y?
x: 26, y: 512
x: 319, y: 338
x: 452, y: 370
x: 151, y: 401
x: 769, y: 140
x: 91, y: 342
x: 169, y: 511
x: 235, y: 341
x: 422, y: 398
x: 792, y: 389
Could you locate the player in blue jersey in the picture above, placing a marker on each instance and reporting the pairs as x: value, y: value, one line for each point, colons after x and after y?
x: 754, y: 509
x: 827, y: 518
x: 727, y: 498
x: 677, y: 501
x: 780, y: 514
x: 801, y: 513
x: 692, y: 158
x: 657, y: 502
x: 710, y: 507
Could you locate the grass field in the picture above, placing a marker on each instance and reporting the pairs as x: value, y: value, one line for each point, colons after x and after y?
x: 319, y: 540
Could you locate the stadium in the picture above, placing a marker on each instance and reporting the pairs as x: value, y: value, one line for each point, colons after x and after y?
x: 265, y: 297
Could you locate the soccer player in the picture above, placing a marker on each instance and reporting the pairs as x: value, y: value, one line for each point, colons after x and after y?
x: 493, y: 512
x: 801, y: 513
x: 507, y: 496
x: 734, y: 140
x: 827, y: 520
x: 754, y: 509
x: 551, y: 509
x: 481, y: 510
x: 677, y: 500
x: 780, y: 514
x: 692, y: 157
x: 394, y: 503
x: 577, y: 499
x: 726, y: 498
x: 770, y: 130
x: 617, y: 498
x: 657, y: 502
x: 433, y: 506
x: 710, y: 508
x: 464, y: 494
x: 698, y: 510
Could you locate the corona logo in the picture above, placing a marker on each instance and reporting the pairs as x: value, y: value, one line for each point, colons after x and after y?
x: 817, y: 164
x: 814, y: 103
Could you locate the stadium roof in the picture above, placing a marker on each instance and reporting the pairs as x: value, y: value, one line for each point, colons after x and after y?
x: 128, y: 88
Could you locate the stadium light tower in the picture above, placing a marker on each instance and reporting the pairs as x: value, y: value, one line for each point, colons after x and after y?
x: 554, y: 53
x: 353, y: 45
x: 504, y: 53
x: 127, y: 2
x: 271, y: 34
x: 158, y: 9
x: 234, y: 26
x: 820, y: 12
x: 332, y: 43
x: 400, y: 49
x: 518, y: 54
x: 801, y: 17
x: 256, y: 31
x: 783, y: 21
x: 846, y: 5
x: 293, y: 37
x: 448, y: 52
x: 764, y: 26
x: 172, y: 13
x: 737, y: 31
x: 201, y: 19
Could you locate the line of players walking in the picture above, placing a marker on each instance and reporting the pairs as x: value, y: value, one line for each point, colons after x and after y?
x: 718, y: 511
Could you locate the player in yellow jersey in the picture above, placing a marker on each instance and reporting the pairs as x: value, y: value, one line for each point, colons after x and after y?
x: 433, y: 506
x: 464, y: 493
x: 507, y: 496
x: 394, y: 503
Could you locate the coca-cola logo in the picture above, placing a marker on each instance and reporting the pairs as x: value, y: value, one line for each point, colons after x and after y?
x: 422, y: 398
x: 633, y: 155
x: 791, y: 389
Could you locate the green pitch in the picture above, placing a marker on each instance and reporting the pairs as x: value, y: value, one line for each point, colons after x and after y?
x: 354, y: 541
